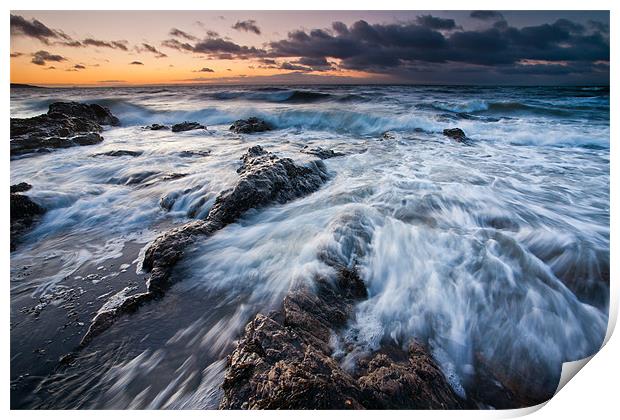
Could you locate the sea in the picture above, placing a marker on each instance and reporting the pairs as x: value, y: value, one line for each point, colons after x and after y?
x: 495, y: 249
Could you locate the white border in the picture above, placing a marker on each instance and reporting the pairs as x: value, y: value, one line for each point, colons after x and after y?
x: 592, y: 395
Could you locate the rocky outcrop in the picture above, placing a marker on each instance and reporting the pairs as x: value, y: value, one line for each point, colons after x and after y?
x: 264, y: 178
x: 320, y: 152
x: 24, y: 212
x: 455, y: 134
x: 186, y: 126
x: 66, y: 124
x: 156, y: 127
x: 91, y: 112
x: 251, y: 125
x: 285, y: 360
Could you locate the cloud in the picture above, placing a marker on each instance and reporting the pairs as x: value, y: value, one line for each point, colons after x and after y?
x: 16, y: 54
x: 149, y: 48
x: 247, y: 26
x: 79, y: 67
x: 177, y: 45
x: 41, y: 57
x: 204, y: 70
x: 486, y: 15
x: 51, y: 68
x: 35, y: 29
x: 120, y: 45
x: 433, y: 22
x: 401, y: 48
x: 182, y: 34
x: 136, y: 63
x: 111, y: 81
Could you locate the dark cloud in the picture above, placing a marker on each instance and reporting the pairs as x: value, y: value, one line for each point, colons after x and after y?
x: 182, y: 34
x: 119, y: 45
x: 51, y: 68
x: 136, y: 63
x: 40, y: 58
x: 599, y: 26
x: 177, y: 45
x: 204, y: 70
x: 433, y: 22
x: 79, y: 67
x: 399, y: 48
x: 35, y: 29
x: 247, y: 26
x: 16, y: 54
x: 149, y: 48
x: 486, y: 15
x: 215, y: 48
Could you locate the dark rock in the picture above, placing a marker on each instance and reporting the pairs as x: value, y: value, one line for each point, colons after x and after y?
x: 320, y: 152
x: 264, y: 178
x: 156, y: 127
x: 455, y: 134
x: 186, y: 126
x: 92, y: 112
x: 387, y: 136
x: 146, y: 178
x: 284, y: 360
x: 66, y: 124
x: 251, y: 125
x: 24, y: 213
x: 21, y: 187
x: 117, y: 153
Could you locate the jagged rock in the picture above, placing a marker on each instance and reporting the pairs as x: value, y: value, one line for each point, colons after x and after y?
x: 66, y: 124
x: 156, y: 127
x: 24, y: 212
x: 117, y: 153
x: 284, y: 360
x: 92, y: 112
x: 320, y: 152
x: 186, y: 126
x: 251, y: 125
x: 264, y: 178
x: 455, y: 134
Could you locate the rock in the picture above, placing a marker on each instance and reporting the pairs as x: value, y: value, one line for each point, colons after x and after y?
x: 120, y: 303
x: 320, y: 152
x: 251, y: 125
x: 284, y: 360
x: 21, y: 187
x: 455, y: 134
x: 186, y: 126
x: 117, y: 153
x: 146, y: 178
x: 92, y: 112
x: 66, y: 124
x: 264, y: 178
x: 24, y: 212
x: 156, y: 127
x: 387, y: 136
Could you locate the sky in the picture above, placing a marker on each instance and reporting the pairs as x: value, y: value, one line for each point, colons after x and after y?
x: 67, y: 48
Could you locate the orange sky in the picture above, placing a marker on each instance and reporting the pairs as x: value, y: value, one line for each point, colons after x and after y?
x: 108, y: 66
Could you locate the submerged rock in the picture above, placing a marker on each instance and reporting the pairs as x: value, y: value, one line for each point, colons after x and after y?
x: 156, y: 127
x: 117, y: 153
x: 251, y: 125
x: 186, y: 126
x: 455, y: 134
x: 264, y: 178
x: 24, y: 212
x: 320, y: 152
x: 66, y: 124
x: 192, y: 153
x: 146, y: 178
x: 387, y: 136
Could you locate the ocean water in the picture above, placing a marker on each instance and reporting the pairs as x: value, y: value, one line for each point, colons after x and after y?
x: 494, y: 252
